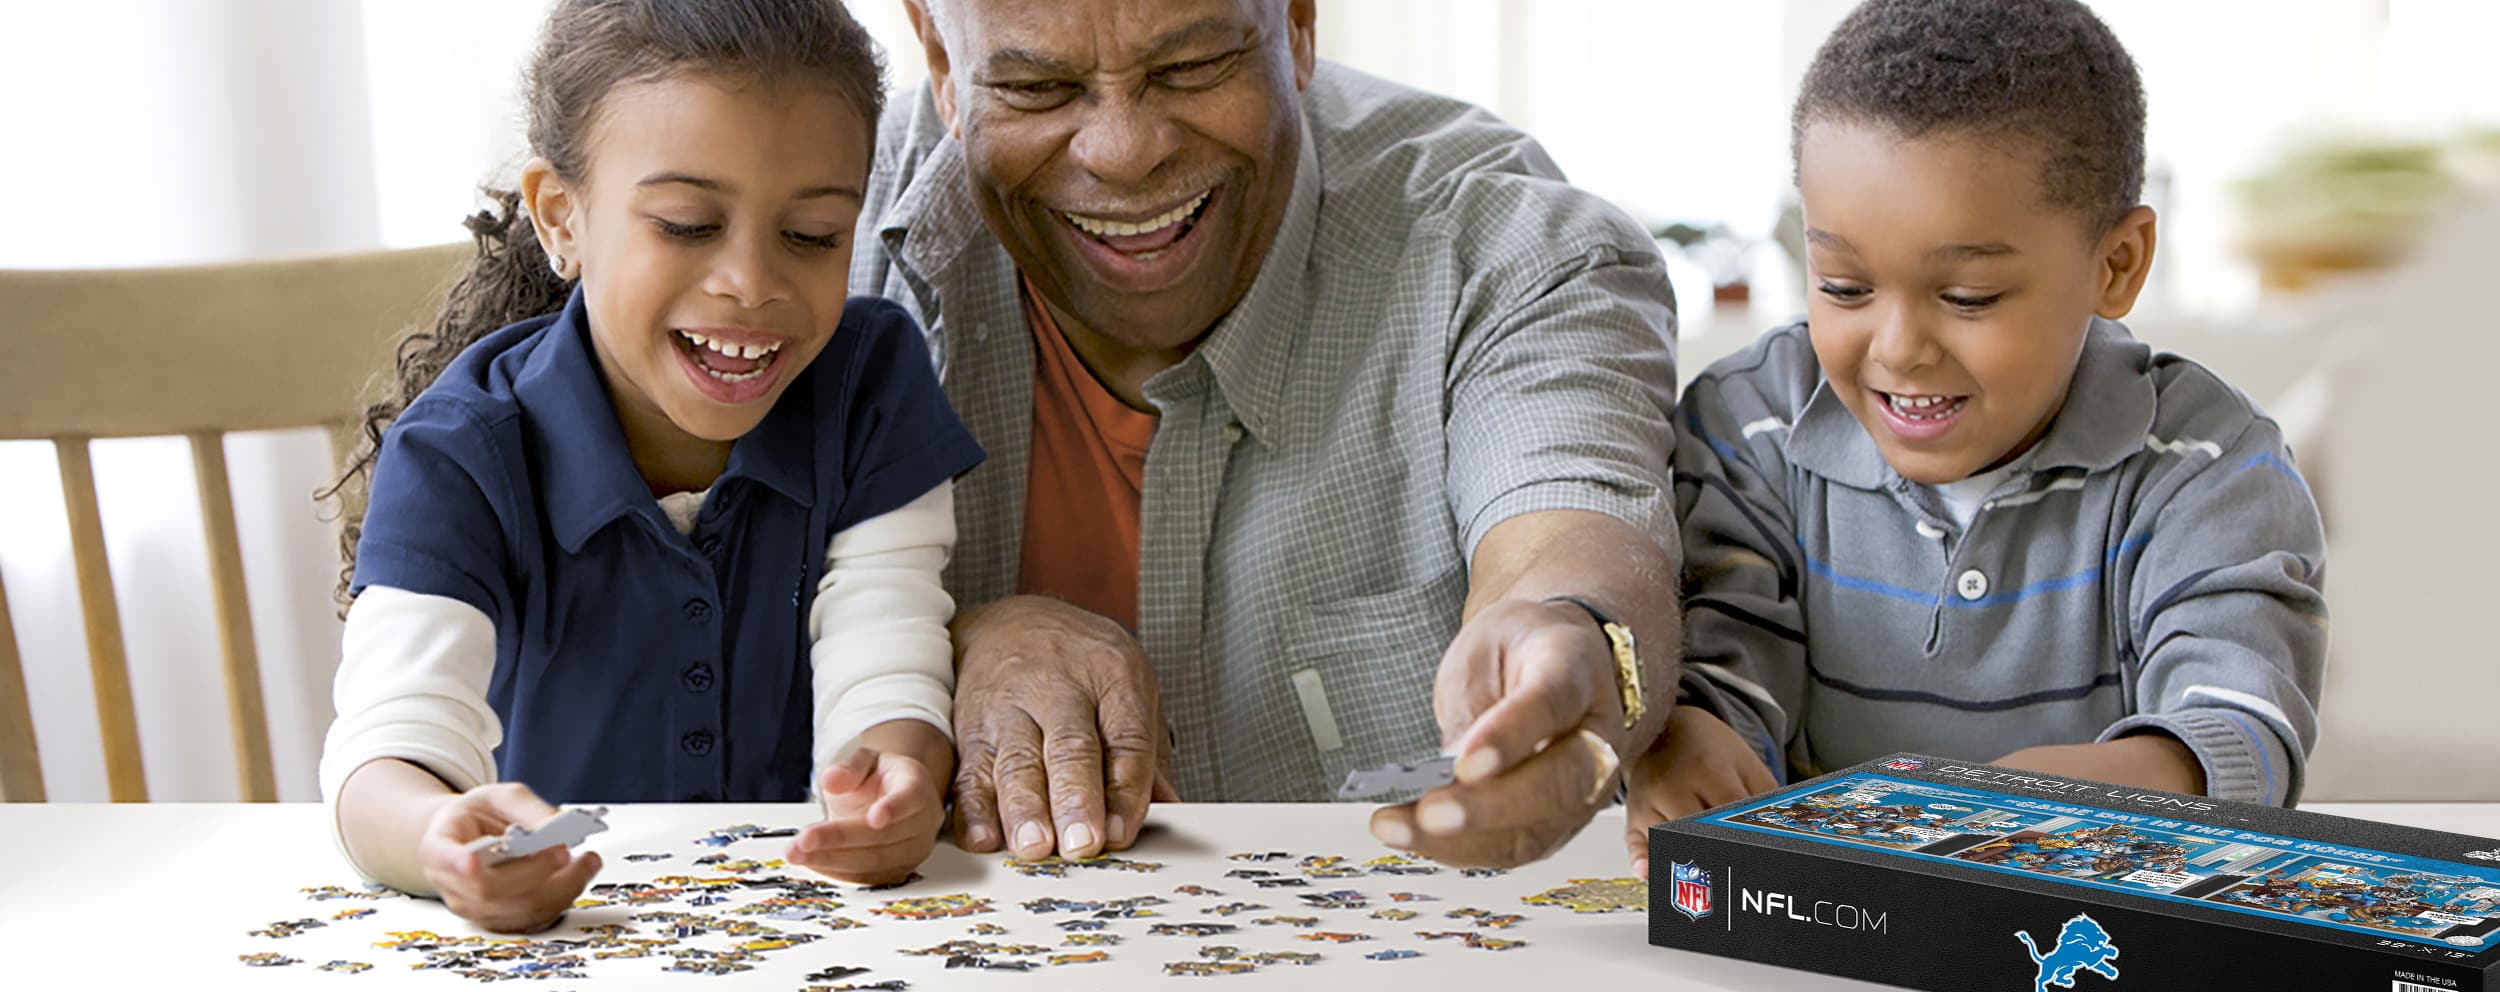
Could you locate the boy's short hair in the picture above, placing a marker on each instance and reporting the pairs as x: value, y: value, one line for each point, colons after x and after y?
x: 2042, y: 71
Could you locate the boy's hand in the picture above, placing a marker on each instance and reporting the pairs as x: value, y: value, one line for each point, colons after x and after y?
x: 882, y: 813
x: 524, y: 895
x: 1698, y: 763
x: 2146, y: 761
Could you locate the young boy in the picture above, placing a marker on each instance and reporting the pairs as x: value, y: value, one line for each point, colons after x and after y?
x: 1960, y: 510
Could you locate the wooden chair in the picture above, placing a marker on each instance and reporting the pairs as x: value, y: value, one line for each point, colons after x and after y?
x: 197, y: 352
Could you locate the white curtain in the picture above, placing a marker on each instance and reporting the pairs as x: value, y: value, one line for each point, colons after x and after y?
x: 169, y: 131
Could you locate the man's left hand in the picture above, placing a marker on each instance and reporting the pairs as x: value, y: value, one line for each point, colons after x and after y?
x: 1527, y: 702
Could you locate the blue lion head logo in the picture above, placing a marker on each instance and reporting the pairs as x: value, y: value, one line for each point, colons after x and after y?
x: 2082, y: 945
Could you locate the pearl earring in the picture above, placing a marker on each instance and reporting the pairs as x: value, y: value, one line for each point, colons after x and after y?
x: 555, y: 263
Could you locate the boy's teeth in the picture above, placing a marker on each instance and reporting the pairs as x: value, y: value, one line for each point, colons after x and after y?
x: 1921, y: 407
x: 1116, y: 229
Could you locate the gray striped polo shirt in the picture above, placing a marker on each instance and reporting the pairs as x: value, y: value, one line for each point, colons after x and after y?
x: 2156, y: 565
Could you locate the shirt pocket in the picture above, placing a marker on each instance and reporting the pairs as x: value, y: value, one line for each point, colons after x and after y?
x: 1362, y: 671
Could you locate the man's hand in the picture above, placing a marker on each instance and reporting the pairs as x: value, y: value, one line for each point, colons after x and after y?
x: 883, y: 805
x: 524, y: 895
x: 1057, y: 723
x: 1527, y: 701
x: 1698, y: 763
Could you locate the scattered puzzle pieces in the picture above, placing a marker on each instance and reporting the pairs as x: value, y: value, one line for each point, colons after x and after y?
x: 935, y: 907
x: 1194, y: 969
x: 752, y: 896
x: 1055, y: 867
x: 726, y: 836
x: 325, y: 893
x: 287, y: 928
x: 1596, y: 895
x: 976, y: 948
x: 1472, y: 938
x: 1190, y: 929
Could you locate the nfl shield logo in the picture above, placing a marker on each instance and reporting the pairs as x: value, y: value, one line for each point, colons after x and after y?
x: 1905, y: 764
x: 1692, y: 890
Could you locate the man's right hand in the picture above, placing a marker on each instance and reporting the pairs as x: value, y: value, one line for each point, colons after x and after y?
x: 1057, y: 723
x: 1698, y: 763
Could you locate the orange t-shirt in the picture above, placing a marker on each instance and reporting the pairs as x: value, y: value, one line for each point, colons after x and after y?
x: 1085, y: 483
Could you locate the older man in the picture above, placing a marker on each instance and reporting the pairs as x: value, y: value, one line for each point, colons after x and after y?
x: 1327, y: 427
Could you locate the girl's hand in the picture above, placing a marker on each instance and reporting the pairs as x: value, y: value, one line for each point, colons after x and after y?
x: 524, y: 895
x: 882, y: 813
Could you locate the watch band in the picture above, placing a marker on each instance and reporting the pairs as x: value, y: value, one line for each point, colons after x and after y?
x: 1628, y: 677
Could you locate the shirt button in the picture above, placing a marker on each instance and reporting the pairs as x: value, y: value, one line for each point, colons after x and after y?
x: 1232, y: 433
x: 1972, y: 585
x: 697, y: 677
x: 698, y: 743
x: 710, y: 544
x: 698, y: 610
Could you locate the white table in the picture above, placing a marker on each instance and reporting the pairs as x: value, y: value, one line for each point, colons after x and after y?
x: 161, y: 896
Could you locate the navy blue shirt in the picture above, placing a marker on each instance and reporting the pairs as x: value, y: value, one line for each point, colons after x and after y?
x: 633, y: 663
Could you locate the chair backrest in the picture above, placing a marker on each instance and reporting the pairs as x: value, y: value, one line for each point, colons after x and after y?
x: 196, y: 352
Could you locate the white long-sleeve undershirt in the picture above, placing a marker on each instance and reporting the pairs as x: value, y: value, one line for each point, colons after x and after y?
x: 414, y: 668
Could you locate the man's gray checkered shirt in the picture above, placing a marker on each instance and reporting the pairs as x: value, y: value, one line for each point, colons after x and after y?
x: 1445, y: 335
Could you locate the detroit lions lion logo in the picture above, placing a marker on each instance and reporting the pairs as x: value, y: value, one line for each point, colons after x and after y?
x: 2081, y: 946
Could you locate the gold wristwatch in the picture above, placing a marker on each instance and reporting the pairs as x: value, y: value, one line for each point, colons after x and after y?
x: 1628, y: 677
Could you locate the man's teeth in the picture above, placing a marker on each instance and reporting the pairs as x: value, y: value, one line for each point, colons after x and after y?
x: 728, y: 350
x: 1923, y: 407
x: 1101, y: 228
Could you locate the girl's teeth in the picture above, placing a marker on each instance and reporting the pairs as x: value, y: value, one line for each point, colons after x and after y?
x: 728, y: 350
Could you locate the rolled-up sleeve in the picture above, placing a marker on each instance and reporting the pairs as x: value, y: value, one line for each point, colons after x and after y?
x: 1564, y: 400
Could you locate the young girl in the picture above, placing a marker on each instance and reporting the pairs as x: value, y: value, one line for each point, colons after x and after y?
x: 675, y: 535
